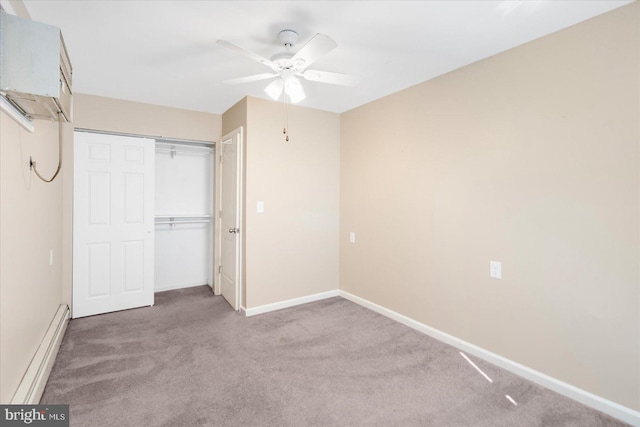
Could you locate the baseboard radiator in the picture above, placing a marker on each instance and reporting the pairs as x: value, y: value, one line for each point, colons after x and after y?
x: 35, y: 379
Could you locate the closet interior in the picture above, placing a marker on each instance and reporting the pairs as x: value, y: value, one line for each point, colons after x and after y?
x: 184, y: 215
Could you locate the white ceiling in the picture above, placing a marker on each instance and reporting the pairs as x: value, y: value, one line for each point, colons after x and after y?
x: 165, y: 52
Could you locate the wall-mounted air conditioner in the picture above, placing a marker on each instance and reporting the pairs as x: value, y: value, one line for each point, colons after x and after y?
x: 35, y: 71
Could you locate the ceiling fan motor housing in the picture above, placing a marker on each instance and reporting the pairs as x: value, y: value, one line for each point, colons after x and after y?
x: 288, y: 37
x: 284, y: 61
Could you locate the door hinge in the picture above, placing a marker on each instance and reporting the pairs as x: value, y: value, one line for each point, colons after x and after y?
x: 220, y: 214
x: 219, y: 269
x: 221, y: 158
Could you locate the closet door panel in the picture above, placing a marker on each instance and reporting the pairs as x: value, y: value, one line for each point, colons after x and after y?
x: 113, y: 223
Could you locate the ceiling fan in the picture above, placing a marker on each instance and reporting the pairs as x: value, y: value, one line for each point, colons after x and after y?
x: 288, y: 66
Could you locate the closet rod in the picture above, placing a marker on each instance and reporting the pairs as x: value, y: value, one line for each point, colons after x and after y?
x: 176, y: 149
x: 178, y: 216
x: 194, y: 221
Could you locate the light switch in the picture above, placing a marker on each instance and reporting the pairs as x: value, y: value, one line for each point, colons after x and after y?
x: 495, y: 269
x: 260, y: 206
x: 352, y: 237
x: 51, y: 257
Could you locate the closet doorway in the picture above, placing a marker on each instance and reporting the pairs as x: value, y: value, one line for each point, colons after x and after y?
x: 143, y: 219
x: 184, y: 219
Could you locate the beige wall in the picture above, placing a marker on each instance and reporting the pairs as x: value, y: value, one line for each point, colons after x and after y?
x: 235, y: 117
x: 30, y: 227
x: 116, y: 115
x: 530, y: 158
x: 291, y: 250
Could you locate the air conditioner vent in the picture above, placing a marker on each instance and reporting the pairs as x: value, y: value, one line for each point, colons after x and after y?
x: 35, y: 71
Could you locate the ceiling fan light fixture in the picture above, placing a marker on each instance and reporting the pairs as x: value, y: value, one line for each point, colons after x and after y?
x: 293, y: 88
x: 287, y: 66
x: 274, y: 89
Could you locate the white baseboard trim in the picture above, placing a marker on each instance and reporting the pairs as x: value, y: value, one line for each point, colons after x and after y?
x: 616, y: 410
x: 289, y: 303
x: 35, y: 379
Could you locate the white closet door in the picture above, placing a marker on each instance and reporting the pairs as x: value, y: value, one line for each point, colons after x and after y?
x: 113, y: 223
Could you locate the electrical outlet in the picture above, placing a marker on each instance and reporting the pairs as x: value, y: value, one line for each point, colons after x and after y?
x: 495, y: 269
x: 352, y: 237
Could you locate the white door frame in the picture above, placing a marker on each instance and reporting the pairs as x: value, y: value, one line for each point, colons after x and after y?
x: 237, y: 133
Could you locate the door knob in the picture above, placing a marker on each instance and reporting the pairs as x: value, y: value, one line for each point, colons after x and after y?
x: 233, y: 230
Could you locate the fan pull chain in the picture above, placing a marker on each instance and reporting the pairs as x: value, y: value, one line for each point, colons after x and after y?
x: 286, y: 117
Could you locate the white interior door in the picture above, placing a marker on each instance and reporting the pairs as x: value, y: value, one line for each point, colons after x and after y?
x: 113, y: 223
x: 230, y: 196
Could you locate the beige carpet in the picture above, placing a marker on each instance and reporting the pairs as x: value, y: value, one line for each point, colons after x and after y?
x: 191, y: 360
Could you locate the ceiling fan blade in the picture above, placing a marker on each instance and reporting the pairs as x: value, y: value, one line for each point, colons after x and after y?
x: 318, y: 46
x: 332, y: 78
x: 249, y: 79
x: 248, y: 54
